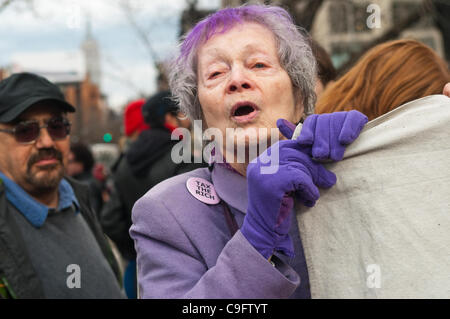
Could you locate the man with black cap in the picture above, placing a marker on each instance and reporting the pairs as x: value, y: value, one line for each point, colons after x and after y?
x: 51, y: 244
x: 146, y: 163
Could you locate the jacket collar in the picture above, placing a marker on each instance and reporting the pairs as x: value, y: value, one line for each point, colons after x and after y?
x: 230, y: 186
x: 35, y: 212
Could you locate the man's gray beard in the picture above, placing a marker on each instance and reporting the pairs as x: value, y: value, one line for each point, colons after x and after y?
x: 47, y: 182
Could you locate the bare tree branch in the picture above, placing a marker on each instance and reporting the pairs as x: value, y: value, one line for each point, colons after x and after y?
x: 303, y: 11
x: 29, y: 4
x: 123, y: 78
x: 4, y: 4
x: 130, y: 14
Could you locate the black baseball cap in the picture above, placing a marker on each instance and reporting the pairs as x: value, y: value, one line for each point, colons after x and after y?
x: 22, y: 90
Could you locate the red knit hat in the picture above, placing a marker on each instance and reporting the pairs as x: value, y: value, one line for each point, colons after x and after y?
x: 132, y: 119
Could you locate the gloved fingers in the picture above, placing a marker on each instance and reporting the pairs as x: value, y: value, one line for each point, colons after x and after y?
x: 353, y: 124
x: 286, y: 128
x: 337, y: 152
x: 307, y: 133
x: 321, y: 146
x: 301, y: 182
x: 319, y: 175
x: 336, y: 123
x: 306, y: 202
x: 325, y: 178
x: 305, y: 189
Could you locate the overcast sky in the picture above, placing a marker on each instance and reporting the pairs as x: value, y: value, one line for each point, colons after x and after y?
x: 60, y: 25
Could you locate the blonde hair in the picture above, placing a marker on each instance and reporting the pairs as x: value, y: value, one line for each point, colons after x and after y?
x: 387, y: 76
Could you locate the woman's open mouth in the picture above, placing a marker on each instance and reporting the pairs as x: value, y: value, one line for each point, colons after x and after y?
x: 243, y: 112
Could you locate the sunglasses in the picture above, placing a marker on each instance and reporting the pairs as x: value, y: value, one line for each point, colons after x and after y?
x: 27, y: 132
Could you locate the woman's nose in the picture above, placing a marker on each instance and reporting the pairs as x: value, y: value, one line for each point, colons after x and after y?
x: 239, y: 82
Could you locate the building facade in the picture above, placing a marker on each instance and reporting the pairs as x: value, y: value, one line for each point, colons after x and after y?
x: 77, y: 74
x: 346, y: 27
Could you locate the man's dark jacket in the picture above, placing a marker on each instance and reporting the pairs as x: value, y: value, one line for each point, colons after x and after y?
x: 147, y: 163
x: 16, y: 270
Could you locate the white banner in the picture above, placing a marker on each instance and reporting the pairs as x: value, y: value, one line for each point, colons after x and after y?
x: 383, y: 231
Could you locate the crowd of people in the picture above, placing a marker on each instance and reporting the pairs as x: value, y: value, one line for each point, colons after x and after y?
x: 226, y: 228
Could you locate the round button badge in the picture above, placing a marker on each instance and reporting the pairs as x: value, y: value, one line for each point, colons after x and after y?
x: 202, y: 190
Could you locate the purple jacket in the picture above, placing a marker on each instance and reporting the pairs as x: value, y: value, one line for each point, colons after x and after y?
x: 185, y: 250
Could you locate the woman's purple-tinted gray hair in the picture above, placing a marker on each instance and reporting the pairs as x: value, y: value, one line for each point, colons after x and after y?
x: 294, y: 53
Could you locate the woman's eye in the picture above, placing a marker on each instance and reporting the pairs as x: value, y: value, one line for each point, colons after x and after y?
x: 214, y: 74
x: 259, y: 65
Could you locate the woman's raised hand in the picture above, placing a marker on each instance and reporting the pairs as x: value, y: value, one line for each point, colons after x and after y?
x: 328, y: 134
x: 270, y: 196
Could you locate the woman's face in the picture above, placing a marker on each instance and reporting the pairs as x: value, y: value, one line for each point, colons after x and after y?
x: 241, y: 83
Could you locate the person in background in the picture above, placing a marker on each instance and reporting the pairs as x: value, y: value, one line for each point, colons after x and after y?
x: 51, y: 243
x: 146, y: 163
x: 326, y: 73
x: 133, y: 125
x: 80, y: 166
x: 133, y: 121
x: 387, y: 76
x: 446, y: 90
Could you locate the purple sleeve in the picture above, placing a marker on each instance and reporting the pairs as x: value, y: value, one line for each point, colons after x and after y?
x: 170, y: 266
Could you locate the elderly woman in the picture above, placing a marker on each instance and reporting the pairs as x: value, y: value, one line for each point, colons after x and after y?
x: 226, y: 231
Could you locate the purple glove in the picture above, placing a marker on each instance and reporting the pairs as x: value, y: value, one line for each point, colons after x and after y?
x: 328, y: 134
x: 270, y: 196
